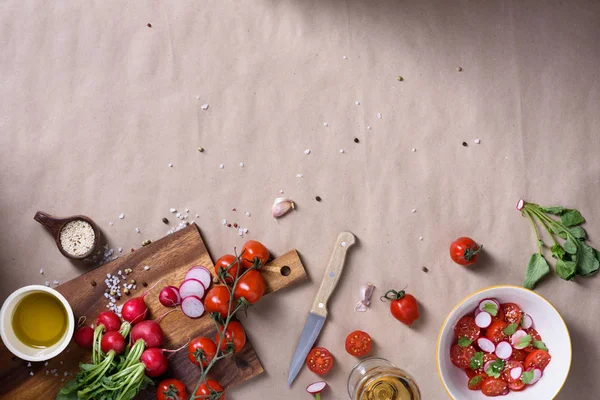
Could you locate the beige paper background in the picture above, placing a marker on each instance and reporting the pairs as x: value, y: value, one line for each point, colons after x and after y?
x: 94, y: 105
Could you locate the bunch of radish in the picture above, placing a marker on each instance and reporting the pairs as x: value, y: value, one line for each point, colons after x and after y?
x: 190, y: 293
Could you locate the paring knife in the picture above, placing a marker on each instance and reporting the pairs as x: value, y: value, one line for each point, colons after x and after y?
x: 318, y: 312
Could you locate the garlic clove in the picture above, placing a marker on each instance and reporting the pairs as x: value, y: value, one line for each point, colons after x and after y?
x: 366, y: 291
x: 282, y: 206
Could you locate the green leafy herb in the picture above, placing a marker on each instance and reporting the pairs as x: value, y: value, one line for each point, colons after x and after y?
x: 509, y: 330
x: 527, y: 377
x: 476, y: 361
x: 536, y: 269
x: 538, y: 344
x: 491, y: 308
x: 495, y: 368
x: 571, y: 218
x: 524, y: 341
x: 464, y: 342
x: 474, y: 381
x: 573, y: 256
x: 553, y: 210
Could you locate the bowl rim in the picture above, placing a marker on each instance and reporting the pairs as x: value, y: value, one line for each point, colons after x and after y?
x: 70, y: 322
x: 505, y: 286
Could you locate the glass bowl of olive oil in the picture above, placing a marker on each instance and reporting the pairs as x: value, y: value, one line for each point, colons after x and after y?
x: 36, y: 323
x: 378, y: 379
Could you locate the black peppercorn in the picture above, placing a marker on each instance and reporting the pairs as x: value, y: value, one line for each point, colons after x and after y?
x: 166, y: 221
x: 465, y: 144
x: 356, y: 140
x: 318, y: 198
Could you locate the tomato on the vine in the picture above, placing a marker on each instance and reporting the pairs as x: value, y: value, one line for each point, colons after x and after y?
x: 403, y: 306
x: 464, y: 251
x: 225, y: 262
x: 209, y: 387
x: 319, y: 360
x: 171, y: 389
x: 233, y: 334
x: 358, y: 343
x: 201, y: 349
x: 253, y: 250
x: 251, y: 286
x: 217, y: 300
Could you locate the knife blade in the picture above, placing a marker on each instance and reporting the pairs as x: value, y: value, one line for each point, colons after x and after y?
x: 318, y: 312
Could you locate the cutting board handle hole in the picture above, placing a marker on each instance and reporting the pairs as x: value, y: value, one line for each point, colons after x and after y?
x: 285, y: 270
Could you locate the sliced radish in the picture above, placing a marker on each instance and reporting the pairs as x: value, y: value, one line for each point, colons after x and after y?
x: 489, y: 303
x: 520, y: 204
x: 527, y: 321
x: 487, y: 365
x: 537, y: 375
x: 169, y: 296
x: 516, y: 373
x: 200, y: 273
x: 516, y: 338
x: 504, y: 350
x: 192, y: 306
x: 316, y: 388
x: 477, y: 311
x: 486, y: 345
x: 483, y: 319
x: 191, y: 287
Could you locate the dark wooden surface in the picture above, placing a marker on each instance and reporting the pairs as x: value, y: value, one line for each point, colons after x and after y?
x: 169, y: 259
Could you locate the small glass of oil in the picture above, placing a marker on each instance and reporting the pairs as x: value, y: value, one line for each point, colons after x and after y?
x: 378, y: 379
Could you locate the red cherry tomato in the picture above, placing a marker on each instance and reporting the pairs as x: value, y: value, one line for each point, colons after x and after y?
x: 475, y: 380
x: 495, y: 331
x: 171, y: 389
x: 508, y: 365
x: 404, y: 307
x: 461, y: 356
x: 319, y: 360
x: 464, y: 251
x: 217, y: 300
x: 519, y: 355
x: 253, y: 250
x: 499, y: 316
x: 201, y: 349
x: 466, y: 327
x: 535, y: 337
x: 358, y: 343
x: 516, y: 386
x: 494, y: 387
x: 227, y: 264
x: 208, y: 388
x: 512, y: 313
x: 234, y: 334
x: 537, y: 359
x: 251, y: 286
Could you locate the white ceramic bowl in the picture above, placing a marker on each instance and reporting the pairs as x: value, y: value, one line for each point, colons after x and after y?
x: 15, y: 345
x: 547, y: 321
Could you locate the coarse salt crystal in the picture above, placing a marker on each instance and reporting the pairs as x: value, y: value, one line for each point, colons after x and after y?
x: 146, y: 268
x: 108, y: 276
x: 121, y: 216
x: 421, y: 238
x: 197, y: 216
x: 170, y: 165
x: 31, y: 373
x: 187, y: 210
x: 47, y: 372
x: 247, y: 213
x: 55, y: 282
x: 325, y: 124
x: 178, y: 215
x: 46, y: 364
x: 55, y: 374
x: 477, y: 141
x: 298, y: 175
x: 224, y: 221
x: 221, y: 166
x: 197, y: 97
x: 413, y: 150
x: 414, y: 210
x: 110, y: 223
x: 307, y: 151
x: 120, y: 251
x: 357, y: 102
x: 61, y: 362
x: 172, y: 210
x: 379, y: 115
x: 29, y: 364
x: 281, y: 191
x: 245, y: 230
x: 41, y: 271
x: 205, y: 106
x: 341, y: 150
x: 242, y: 164
x: 369, y: 127
x: 345, y: 58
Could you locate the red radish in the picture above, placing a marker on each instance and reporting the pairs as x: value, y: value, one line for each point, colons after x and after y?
x: 192, y: 306
x: 316, y: 388
x: 191, y: 287
x: 486, y: 345
x: 489, y: 303
x: 487, y: 365
x: 520, y: 204
x: 476, y: 312
x: 201, y: 273
x: 149, y: 331
x: 527, y: 321
x: 114, y: 341
x: 483, y: 319
x: 135, y: 310
x: 155, y: 362
x: 516, y: 373
x: 84, y: 337
x: 516, y: 338
x: 169, y: 296
x: 109, y: 320
x: 537, y: 375
x: 504, y: 350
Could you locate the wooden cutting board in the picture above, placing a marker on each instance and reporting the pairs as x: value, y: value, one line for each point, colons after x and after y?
x: 169, y: 259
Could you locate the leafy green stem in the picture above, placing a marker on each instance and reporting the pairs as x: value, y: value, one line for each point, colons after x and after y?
x: 535, y: 229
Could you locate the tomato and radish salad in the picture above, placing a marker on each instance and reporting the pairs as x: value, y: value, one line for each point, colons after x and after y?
x: 499, y: 349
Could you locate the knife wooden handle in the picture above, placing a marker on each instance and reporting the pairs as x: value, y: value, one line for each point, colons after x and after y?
x: 333, y: 272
